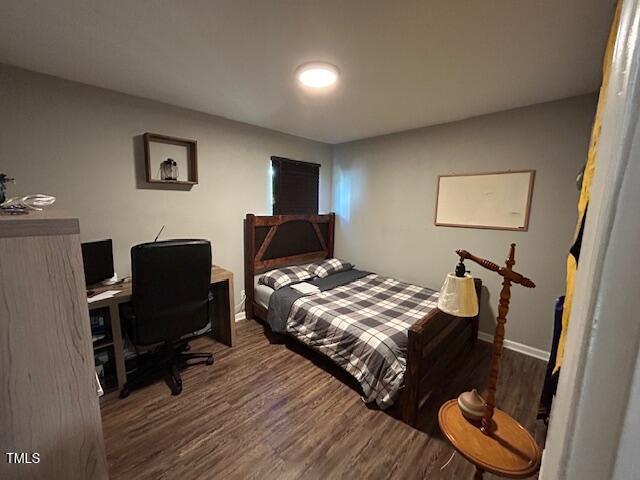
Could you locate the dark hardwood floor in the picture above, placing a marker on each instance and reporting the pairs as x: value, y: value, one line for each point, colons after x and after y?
x: 265, y: 411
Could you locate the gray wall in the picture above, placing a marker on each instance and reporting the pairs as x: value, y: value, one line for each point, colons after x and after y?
x: 384, y: 192
x: 81, y: 144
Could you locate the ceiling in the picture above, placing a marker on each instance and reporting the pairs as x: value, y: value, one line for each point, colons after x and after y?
x: 404, y: 63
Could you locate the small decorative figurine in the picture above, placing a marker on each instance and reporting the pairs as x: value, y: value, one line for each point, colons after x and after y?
x: 169, y: 169
x: 3, y: 187
x: 472, y: 405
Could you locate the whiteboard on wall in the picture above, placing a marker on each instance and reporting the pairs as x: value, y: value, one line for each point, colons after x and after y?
x: 496, y: 200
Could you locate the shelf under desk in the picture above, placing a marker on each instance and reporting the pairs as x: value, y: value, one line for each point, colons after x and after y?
x: 223, y: 327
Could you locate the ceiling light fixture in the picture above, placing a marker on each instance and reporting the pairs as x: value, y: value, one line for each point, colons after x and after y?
x: 317, y: 74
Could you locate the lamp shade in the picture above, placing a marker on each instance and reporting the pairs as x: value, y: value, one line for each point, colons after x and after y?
x: 458, y: 296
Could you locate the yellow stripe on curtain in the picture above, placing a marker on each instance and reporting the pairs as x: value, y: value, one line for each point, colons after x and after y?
x: 587, y: 180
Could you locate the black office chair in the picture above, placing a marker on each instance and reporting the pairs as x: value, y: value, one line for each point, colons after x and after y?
x: 170, y: 299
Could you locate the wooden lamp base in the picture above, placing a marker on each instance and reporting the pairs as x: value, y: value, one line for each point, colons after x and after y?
x: 509, y: 451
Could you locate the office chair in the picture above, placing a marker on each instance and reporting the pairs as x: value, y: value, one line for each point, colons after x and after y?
x: 170, y: 299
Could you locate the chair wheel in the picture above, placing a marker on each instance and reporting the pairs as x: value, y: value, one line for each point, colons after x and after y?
x: 176, y: 390
x: 209, y: 361
x: 124, y: 393
x: 187, y: 347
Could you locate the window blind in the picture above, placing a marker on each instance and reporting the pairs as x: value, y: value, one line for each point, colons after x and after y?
x: 295, y: 186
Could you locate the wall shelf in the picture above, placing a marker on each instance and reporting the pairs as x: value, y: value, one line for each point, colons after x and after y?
x: 172, y: 182
x: 156, y: 147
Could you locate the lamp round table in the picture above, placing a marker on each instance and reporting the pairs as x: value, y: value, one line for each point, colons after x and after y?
x: 510, y: 451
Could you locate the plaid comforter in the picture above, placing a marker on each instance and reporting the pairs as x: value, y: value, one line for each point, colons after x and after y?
x: 363, y: 327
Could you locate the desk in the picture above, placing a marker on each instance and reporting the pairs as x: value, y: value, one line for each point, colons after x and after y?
x: 223, y: 324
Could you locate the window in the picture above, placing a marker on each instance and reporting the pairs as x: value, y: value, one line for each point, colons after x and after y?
x: 295, y: 186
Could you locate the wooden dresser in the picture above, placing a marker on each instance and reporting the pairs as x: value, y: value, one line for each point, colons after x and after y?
x: 50, y: 425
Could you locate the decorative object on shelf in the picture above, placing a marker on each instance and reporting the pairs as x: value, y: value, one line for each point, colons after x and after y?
x: 490, y: 443
x: 472, y: 405
x: 27, y: 204
x: 169, y: 170
x: 4, y: 179
x: 170, y: 160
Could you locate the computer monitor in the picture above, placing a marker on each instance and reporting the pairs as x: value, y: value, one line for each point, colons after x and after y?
x: 97, y: 258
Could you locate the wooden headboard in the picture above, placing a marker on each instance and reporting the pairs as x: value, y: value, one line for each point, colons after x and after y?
x: 280, y: 240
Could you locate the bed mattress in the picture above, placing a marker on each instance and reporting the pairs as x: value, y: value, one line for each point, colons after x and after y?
x: 263, y: 294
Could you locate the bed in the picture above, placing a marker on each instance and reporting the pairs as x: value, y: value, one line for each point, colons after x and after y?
x: 387, y: 334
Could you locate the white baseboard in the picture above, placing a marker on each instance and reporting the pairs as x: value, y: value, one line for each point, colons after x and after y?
x: 241, y: 316
x: 517, y: 347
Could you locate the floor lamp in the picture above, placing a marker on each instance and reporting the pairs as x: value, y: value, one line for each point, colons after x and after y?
x: 495, y: 442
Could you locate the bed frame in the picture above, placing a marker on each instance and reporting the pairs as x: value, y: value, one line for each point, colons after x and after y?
x: 435, y: 342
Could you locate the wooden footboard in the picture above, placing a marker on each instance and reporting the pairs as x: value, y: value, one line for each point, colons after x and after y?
x: 434, y: 343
